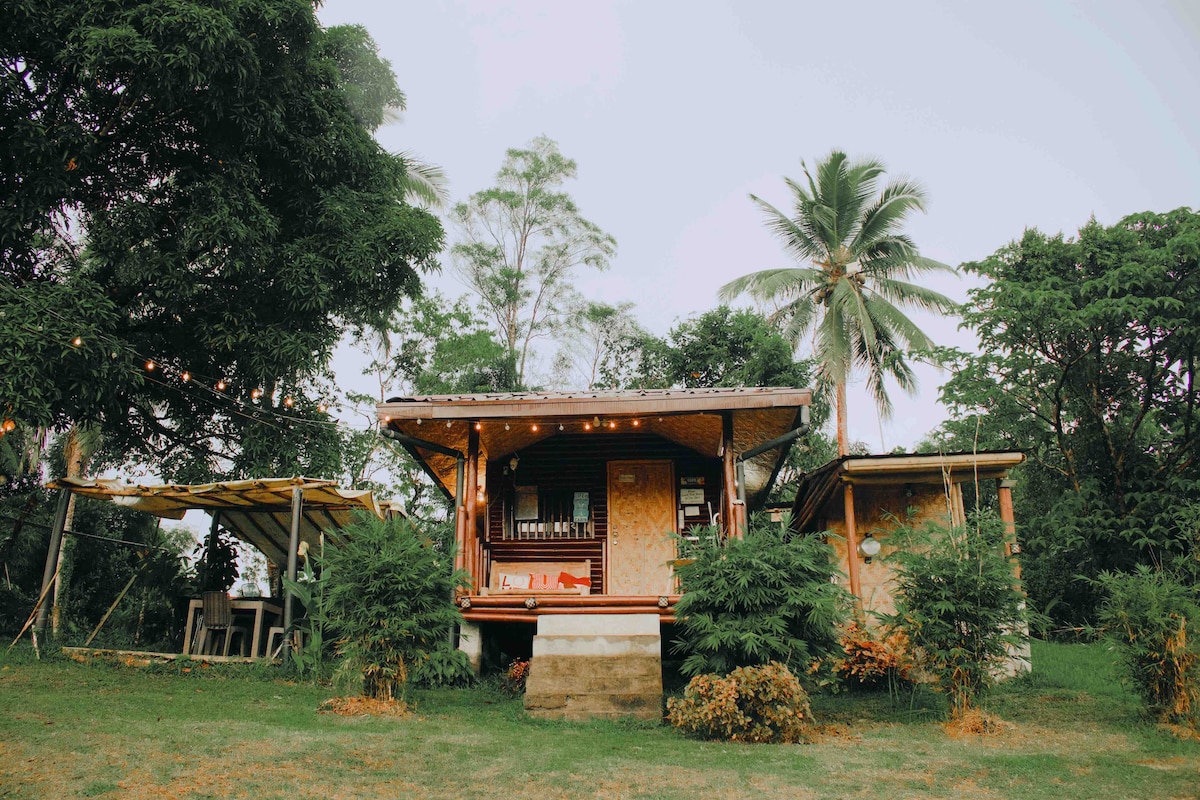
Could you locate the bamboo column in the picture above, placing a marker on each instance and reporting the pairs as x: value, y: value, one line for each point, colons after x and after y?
x: 852, y: 544
x: 1004, y: 494
x: 729, y: 511
x: 471, y: 499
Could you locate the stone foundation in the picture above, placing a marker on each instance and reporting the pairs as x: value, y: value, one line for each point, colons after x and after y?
x: 596, y: 665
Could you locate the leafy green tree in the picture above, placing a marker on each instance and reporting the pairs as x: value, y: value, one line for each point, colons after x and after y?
x: 595, y: 349
x: 1087, y: 361
x: 854, y: 275
x: 520, y: 244
x: 192, y: 233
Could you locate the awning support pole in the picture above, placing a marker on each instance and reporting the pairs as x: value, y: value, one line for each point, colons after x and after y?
x: 289, y: 597
x: 48, y: 575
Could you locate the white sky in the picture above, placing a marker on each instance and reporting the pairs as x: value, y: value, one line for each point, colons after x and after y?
x: 1013, y: 115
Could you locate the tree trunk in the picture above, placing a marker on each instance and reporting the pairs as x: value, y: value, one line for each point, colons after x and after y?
x: 73, y: 455
x: 843, y: 438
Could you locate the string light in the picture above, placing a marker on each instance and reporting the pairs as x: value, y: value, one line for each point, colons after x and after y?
x: 321, y: 407
x: 478, y: 426
x: 287, y: 401
x: 9, y: 426
x: 221, y: 386
x: 447, y: 423
x: 150, y: 366
x: 185, y: 377
x: 506, y: 426
x: 637, y: 422
x: 78, y: 340
x: 255, y: 394
x: 534, y: 428
x: 587, y: 426
x: 560, y: 427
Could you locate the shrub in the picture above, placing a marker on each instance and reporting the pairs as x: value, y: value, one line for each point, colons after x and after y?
x: 444, y: 668
x: 1153, y: 620
x: 767, y: 597
x: 957, y: 603
x: 388, y: 601
x: 751, y: 704
x: 514, y: 678
x: 872, y: 657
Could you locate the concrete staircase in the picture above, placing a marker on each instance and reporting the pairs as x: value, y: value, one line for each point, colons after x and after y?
x: 596, y: 665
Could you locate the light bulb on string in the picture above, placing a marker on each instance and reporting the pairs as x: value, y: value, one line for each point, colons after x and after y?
x: 77, y: 341
x: 150, y: 365
x: 321, y: 408
x: 221, y: 386
x: 255, y: 394
x: 287, y: 401
x: 534, y: 428
x: 185, y: 376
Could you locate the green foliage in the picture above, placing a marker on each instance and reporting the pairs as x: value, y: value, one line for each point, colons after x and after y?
x: 216, y: 565
x: 389, y: 601
x: 520, y: 244
x: 1087, y: 361
x: 751, y: 704
x: 1152, y: 619
x: 853, y: 276
x: 957, y: 604
x: 444, y: 667
x: 195, y: 185
x: 310, y: 659
x: 767, y: 597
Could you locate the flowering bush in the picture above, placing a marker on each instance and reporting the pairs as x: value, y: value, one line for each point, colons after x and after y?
x: 751, y: 704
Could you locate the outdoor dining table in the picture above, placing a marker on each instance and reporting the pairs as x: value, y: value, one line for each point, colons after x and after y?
x: 260, y: 606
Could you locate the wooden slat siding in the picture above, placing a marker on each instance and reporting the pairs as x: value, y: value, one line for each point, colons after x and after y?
x: 580, y: 463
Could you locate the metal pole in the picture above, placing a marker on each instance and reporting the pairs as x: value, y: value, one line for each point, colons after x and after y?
x: 289, y: 596
x: 56, y: 533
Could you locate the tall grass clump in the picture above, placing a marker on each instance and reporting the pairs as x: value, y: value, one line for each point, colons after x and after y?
x: 958, y: 605
x: 766, y: 597
x: 1152, y: 619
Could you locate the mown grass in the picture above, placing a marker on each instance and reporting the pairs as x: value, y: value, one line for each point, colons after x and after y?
x: 75, y: 730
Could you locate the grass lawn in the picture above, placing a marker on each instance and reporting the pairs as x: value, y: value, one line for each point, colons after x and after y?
x: 74, y: 730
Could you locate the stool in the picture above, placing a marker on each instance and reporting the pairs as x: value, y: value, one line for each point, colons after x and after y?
x: 272, y: 648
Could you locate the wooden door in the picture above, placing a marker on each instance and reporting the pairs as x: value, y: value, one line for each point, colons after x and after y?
x: 641, y: 519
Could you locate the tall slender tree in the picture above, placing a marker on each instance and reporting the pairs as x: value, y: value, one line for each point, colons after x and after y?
x: 854, y: 272
x: 521, y: 242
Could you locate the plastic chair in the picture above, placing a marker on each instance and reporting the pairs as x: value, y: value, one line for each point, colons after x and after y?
x: 218, y: 619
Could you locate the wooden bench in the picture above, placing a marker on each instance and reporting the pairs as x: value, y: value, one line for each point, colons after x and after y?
x: 537, y: 577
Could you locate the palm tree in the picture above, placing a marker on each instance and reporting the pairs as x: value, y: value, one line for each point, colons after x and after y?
x: 853, y: 274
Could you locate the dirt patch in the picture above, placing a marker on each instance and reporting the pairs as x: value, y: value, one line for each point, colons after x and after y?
x: 364, y: 707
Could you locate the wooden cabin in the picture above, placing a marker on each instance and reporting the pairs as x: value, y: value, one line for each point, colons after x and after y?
x: 568, y: 509
x: 865, y: 497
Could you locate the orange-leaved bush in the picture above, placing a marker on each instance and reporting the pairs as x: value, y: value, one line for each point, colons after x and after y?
x: 751, y: 704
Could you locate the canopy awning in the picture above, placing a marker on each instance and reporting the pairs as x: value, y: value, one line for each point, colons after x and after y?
x: 257, y: 511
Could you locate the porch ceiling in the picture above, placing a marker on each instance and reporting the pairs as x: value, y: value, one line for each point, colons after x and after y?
x: 512, y: 422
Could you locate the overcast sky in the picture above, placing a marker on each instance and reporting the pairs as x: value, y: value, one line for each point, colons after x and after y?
x: 1013, y: 115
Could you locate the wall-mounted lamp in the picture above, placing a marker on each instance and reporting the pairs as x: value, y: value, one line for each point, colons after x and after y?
x: 868, y: 548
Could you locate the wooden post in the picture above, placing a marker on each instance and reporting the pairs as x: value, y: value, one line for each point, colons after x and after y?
x: 471, y: 499
x: 1004, y: 494
x: 852, y: 545
x: 50, y: 573
x: 289, y: 597
x: 729, y: 511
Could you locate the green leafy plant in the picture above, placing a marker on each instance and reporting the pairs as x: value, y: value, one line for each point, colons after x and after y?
x: 958, y: 604
x: 309, y: 658
x: 389, y: 602
x: 444, y: 668
x: 751, y: 704
x: 216, y: 565
x: 1153, y: 621
x: 767, y: 597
